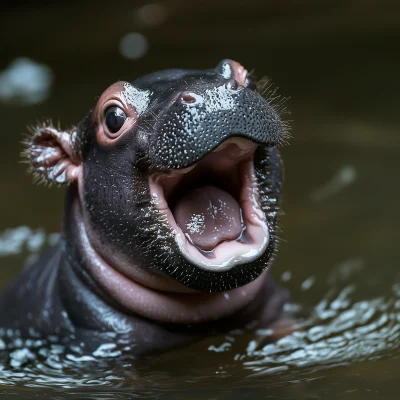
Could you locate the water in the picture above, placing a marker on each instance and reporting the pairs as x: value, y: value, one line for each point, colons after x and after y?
x: 338, y: 253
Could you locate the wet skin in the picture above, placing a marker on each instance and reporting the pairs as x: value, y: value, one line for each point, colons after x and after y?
x: 173, y: 186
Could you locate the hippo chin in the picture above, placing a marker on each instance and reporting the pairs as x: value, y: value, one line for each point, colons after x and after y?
x: 173, y: 186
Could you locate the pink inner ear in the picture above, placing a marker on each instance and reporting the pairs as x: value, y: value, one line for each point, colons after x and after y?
x: 53, y: 156
x: 239, y: 73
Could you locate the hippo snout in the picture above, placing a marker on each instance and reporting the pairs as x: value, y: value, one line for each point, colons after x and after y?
x: 204, y: 116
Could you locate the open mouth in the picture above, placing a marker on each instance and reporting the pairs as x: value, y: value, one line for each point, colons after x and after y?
x: 213, y: 207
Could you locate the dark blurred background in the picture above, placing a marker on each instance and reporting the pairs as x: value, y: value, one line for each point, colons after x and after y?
x: 338, y: 62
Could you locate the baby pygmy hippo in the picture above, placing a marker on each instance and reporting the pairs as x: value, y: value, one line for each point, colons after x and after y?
x: 172, y: 197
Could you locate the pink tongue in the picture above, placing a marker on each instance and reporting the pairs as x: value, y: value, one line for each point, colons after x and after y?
x: 209, y: 216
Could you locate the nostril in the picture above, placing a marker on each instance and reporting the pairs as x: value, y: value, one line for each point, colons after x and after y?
x: 232, y: 84
x: 188, y: 98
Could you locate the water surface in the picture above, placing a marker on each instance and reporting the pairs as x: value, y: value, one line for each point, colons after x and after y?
x: 338, y: 252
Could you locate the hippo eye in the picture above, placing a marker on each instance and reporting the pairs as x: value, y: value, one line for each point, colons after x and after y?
x: 114, y: 118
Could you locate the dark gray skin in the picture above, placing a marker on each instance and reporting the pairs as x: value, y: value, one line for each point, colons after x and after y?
x: 121, y: 266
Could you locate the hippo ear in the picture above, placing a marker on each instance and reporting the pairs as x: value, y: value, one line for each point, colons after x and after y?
x: 232, y: 69
x: 53, y: 155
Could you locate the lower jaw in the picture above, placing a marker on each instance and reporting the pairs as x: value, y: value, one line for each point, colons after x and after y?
x: 229, y: 254
x: 158, y: 305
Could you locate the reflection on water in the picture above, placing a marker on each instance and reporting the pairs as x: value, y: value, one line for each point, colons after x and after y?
x: 340, y: 332
x: 339, y: 243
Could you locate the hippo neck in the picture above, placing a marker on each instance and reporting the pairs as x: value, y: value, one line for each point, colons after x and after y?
x: 132, y: 298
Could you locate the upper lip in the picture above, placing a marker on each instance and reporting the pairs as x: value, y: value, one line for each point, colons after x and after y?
x: 211, y: 167
x: 184, y: 135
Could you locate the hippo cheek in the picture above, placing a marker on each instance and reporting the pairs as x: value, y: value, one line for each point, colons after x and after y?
x: 213, y: 208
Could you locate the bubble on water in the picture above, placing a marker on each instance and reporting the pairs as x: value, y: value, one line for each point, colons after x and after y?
x: 133, y: 45
x: 151, y: 14
x: 53, y: 238
x: 286, y: 276
x: 25, y: 82
x: 308, y: 283
x: 12, y: 240
x: 36, y: 240
x: 16, y: 240
x: 20, y: 357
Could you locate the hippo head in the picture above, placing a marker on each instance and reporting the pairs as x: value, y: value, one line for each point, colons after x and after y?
x: 176, y: 175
